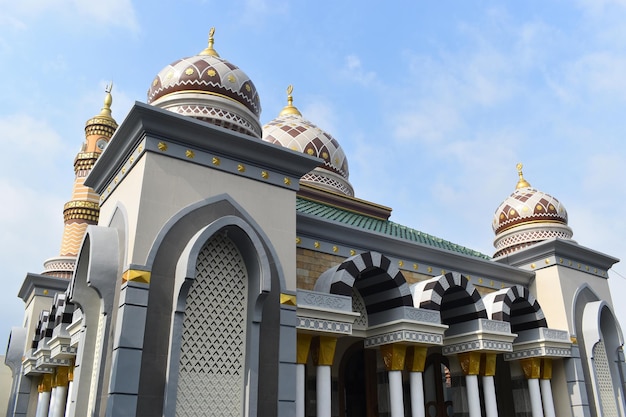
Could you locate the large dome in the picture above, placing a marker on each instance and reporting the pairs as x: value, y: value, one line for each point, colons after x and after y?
x: 526, y: 217
x: 209, y: 88
x: 293, y: 131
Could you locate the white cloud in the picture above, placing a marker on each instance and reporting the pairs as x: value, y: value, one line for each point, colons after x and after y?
x: 21, y: 15
x: 354, y: 71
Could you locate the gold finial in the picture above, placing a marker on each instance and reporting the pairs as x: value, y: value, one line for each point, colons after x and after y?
x: 289, y: 108
x: 108, y: 100
x: 522, y: 183
x: 209, y: 49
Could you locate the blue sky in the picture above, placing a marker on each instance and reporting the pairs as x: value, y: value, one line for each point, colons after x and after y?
x: 433, y: 102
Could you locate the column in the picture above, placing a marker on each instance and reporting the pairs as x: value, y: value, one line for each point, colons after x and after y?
x: 43, y: 400
x: 59, y: 393
x: 487, y: 371
x: 323, y: 351
x: 470, y: 363
x: 302, y: 355
x: 393, y: 357
x: 532, y: 372
x: 70, y: 386
x: 415, y: 362
x: 546, y: 388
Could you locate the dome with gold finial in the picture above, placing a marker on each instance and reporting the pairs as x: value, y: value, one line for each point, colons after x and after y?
x: 293, y: 131
x: 526, y: 217
x: 209, y: 88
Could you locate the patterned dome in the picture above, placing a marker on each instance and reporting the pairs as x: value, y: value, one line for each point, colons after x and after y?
x: 293, y: 131
x: 209, y: 88
x: 526, y: 217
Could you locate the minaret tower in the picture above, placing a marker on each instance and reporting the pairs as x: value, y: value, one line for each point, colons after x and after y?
x: 84, y: 207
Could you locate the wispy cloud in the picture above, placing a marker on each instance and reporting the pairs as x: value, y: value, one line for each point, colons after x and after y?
x: 21, y: 15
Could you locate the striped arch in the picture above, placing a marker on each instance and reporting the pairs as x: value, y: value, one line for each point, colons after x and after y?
x: 453, y: 296
x: 381, y: 285
x: 519, y: 307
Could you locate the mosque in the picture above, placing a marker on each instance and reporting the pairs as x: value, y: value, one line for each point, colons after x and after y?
x: 212, y: 266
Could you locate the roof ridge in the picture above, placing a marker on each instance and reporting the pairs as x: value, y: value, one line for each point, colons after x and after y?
x: 387, y: 227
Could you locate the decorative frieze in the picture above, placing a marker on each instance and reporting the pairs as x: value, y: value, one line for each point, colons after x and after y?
x: 407, y: 336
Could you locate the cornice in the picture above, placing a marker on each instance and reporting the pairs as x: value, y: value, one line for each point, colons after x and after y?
x: 44, y: 285
x: 566, y: 253
x: 148, y: 122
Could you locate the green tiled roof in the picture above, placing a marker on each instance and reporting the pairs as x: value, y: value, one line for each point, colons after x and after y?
x: 381, y: 226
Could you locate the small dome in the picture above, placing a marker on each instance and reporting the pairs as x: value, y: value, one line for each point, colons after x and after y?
x: 526, y: 217
x: 293, y: 131
x: 209, y: 88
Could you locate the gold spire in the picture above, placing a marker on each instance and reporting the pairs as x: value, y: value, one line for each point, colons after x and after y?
x: 108, y: 100
x: 289, y: 108
x: 209, y: 49
x: 103, y: 123
x: 522, y: 183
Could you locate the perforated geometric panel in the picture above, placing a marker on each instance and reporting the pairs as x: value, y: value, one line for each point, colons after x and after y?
x: 358, y: 306
x: 605, y: 382
x: 213, y: 346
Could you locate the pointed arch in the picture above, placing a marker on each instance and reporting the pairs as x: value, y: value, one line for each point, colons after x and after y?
x: 381, y: 284
x: 452, y: 295
x: 517, y: 306
x: 167, y: 261
x: 92, y: 290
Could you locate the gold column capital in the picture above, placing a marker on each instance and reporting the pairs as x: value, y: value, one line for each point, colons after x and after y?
x: 531, y: 367
x: 62, y: 376
x: 488, y: 364
x: 46, y: 383
x: 470, y: 362
x: 136, y: 275
x: 304, y: 345
x: 546, y: 368
x: 323, y: 350
x: 393, y: 356
x: 416, y: 358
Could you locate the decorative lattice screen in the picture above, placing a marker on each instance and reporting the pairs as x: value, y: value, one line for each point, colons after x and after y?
x: 358, y: 305
x: 605, y: 382
x: 212, y: 357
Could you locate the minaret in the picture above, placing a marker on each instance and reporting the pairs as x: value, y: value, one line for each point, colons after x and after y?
x: 84, y: 207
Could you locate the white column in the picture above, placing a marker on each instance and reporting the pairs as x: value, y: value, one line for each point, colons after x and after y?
x: 57, y: 406
x: 395, y: 394
x: 43, y: 404
x: 546, y: 396
x: 417, y: 394
x: 535, y: 397
x: 489, y: 392
x: 53, y: 400
x: 300, y: 387
x: 69, y: 398
x: 323, y: 391
x: 473, y: 395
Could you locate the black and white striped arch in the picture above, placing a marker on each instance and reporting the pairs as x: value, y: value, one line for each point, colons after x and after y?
x: 381, y: 285
x: 452, y: 295
x: 519, y: 307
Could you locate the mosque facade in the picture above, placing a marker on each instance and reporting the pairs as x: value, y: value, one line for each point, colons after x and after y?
x: 213, y: 266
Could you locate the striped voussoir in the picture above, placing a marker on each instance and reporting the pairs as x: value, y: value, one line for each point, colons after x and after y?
x: 381, y: 285
x: 519, y: 307
x: 454, y: 297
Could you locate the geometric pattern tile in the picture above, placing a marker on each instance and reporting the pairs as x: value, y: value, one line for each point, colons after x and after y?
x: 605, y: 382
x: 213, y: 346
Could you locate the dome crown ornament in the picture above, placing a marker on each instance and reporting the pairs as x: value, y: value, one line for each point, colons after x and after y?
x: 209, y: 49
x: 522, y: 183
x: 289, y: 108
